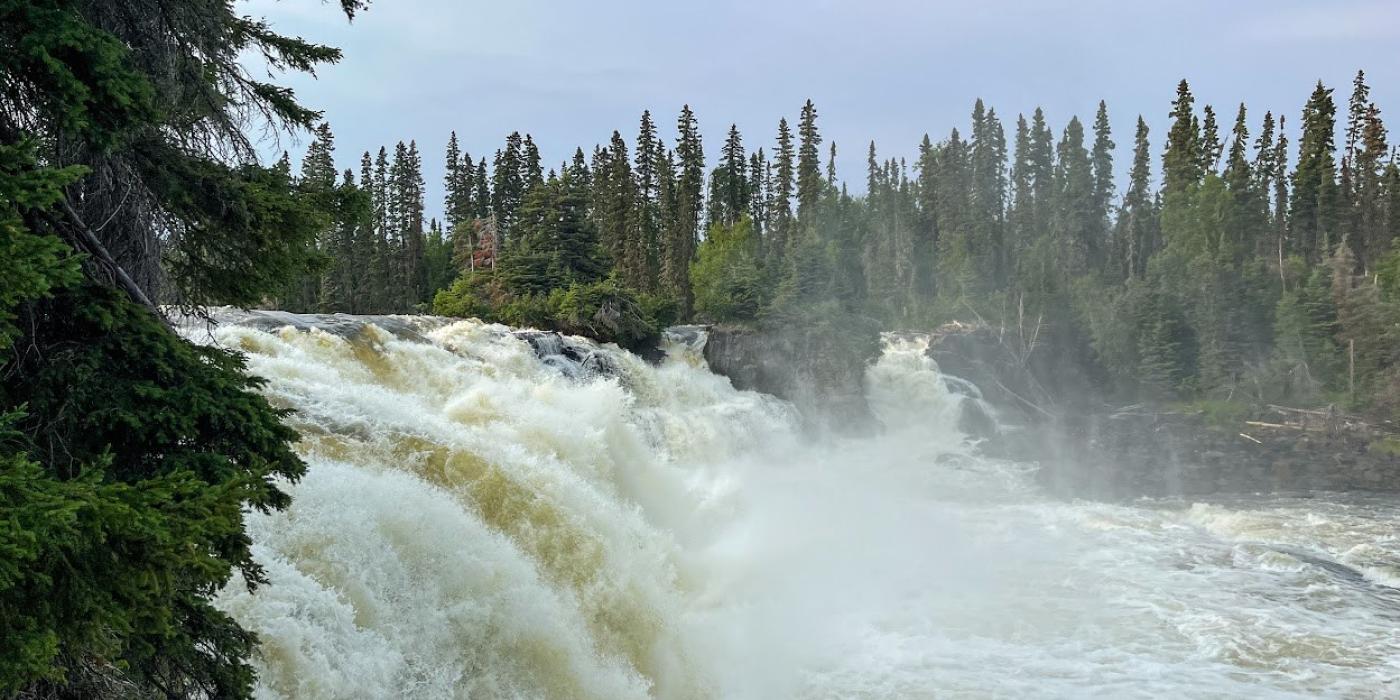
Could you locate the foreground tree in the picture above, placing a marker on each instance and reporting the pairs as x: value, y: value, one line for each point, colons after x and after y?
x: 127, y: 456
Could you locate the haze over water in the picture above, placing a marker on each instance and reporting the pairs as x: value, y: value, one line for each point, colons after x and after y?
x: 478, y: 522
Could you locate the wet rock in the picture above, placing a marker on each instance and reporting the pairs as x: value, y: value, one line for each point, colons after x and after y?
x: 820, y: 371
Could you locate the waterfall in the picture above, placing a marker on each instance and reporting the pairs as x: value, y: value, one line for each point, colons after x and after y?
x: 492, y: 513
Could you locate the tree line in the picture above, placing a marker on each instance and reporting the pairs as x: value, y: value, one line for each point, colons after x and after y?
x: 1233, y: 263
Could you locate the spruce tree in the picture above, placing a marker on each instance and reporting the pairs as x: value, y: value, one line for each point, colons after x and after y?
x: 508, y: 185
x: 129, y: 457
x: 649, y: 219
x: 1357, y: 109
x: 364, y: 299
x: 1021, y: 219
x: 1137, y: 220
x: 1312, y: 210
x: 318, y: 166
x: 729, y: 186
x: 758, y: 196
x: 531, y: 171
x: 1211, y: 146
x: 458, y: 208
x: 1280, y: 180
x: 1263, y: 169
x: 957, y: 272
x: 1075, y: 222
x: 689, y: 202
x: 1245, y: 222
x: 987, y: 195
x: 1374, y: 235
x: 1042, y: 173
x: 1181, y: 165
x: 831, y: 166
x: 318, y: 179
x: 780, y: 204
x: 615, y: 199
x: 924, y: 237
x: 1103, y: 170
x: 481, y: 192
x: 809, y: 175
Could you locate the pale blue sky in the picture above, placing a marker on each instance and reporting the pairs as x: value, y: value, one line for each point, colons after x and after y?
x: 571, y: 72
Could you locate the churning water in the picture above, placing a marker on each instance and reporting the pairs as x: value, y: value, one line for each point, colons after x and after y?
x: 480, y: 522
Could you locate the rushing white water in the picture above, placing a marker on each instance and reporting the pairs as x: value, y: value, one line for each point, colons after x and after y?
x: 478, y: 522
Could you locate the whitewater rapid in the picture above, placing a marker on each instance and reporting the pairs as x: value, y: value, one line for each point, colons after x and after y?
x: 490, y: 514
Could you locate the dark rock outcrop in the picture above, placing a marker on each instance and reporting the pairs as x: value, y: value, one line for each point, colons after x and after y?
x: 1139, y: 451
x: 1088, y: 448
x: 819, y: 370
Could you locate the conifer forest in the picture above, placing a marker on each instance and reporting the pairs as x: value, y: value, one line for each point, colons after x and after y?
x: 1040, y: 405
x: 1231, y: 262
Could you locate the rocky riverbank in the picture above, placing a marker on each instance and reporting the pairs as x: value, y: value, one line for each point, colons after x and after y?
x: 1090, y: 448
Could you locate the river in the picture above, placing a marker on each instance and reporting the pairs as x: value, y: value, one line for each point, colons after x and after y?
x: 478, y: 522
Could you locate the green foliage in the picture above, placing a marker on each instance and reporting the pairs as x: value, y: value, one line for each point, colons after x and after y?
x: 604, y: 310
x: 726, y: 277
x: 76, y: 77
x: 247, y: 231
x: 130, y: 459
x: 127, y: 456
x: 31, y: 263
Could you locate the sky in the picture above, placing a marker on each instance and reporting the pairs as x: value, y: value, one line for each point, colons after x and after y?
x: 571, y: 72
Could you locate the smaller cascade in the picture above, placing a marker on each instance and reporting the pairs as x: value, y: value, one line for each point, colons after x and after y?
x: 907, y: 390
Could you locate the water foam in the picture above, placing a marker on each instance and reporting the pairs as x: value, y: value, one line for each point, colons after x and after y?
x: 480, y: 522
